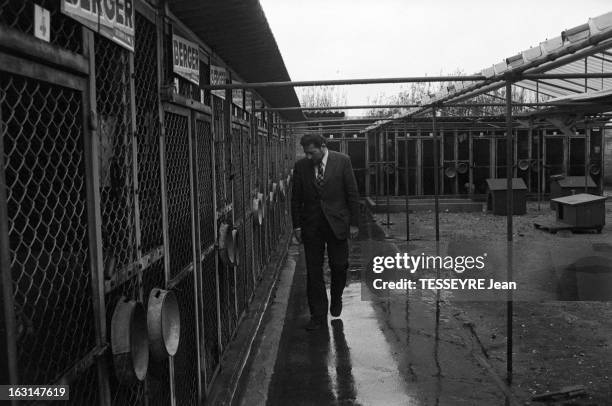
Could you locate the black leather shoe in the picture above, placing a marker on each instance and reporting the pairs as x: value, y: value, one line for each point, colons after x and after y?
x: 315, y: 323
x: 336, y: 307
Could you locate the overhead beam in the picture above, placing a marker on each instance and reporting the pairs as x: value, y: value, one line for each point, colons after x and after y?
x: 542, y: 104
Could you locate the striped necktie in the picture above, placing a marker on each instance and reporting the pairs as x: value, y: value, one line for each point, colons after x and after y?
x: 320, y: 175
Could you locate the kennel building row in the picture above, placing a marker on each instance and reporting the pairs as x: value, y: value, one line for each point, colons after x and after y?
x: 122, y: 177
x: 468, y: 155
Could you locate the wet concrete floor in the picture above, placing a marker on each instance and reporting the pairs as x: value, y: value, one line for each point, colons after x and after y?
x: 397, y: 350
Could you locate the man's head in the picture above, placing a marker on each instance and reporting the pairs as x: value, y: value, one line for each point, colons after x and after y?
x: 314, y: 147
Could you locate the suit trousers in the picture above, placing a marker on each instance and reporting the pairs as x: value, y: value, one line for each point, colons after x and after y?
x: 316, y: 237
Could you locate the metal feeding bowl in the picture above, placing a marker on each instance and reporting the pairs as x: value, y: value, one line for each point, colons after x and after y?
x: 129, y: 341
x: 282, y: 189
x: 462, y: 168
x: 594, y: 169
x: 524, y: 164
x: 262, y: 204
x: 234, y: 248
x: 258, y: 213
x: 164, y: 323
x: 228, y: 247
x: 450, y: 172
x: 224, y: 240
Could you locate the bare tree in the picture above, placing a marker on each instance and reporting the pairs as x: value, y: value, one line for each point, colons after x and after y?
x: 418, y: 93
x: 322, y: 96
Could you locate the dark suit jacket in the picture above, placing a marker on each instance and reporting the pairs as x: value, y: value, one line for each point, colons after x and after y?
x: 339, y: 195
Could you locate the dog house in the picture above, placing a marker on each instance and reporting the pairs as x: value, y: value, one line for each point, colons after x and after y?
x: 582, y: 210
x: 496, y: 196
x: 561, y: 185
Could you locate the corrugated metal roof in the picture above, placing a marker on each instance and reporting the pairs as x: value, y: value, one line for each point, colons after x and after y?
x: 582, y: 49
x: 238, y: 31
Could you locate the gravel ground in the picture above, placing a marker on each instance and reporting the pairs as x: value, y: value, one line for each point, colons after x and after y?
x: 559, y: 338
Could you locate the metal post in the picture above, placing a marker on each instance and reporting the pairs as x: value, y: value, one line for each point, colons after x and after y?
x: 436, y: 173
x: 539, y: 168
x: 587, y: 147
x: 94, y: 217
x: 215, y: 191
x: 195, y: 243
x: 406, y: 182
x: 7, y: 318
x: 387, y: 169
x: 509, y: 212
x: 161, y: 58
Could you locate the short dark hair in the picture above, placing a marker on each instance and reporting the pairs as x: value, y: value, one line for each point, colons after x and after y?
x: 312, y: 139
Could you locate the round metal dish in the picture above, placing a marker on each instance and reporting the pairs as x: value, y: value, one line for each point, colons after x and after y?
x: 450, y: 172
x: 164, y: 323
x: 233, y: 249
x: 257, y: 211
x: 225, y: 242
x: 523, y: 164
x: 129, y: 341
x: 462, y: 167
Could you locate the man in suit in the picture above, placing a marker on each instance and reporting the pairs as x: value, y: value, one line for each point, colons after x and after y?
x: 325, y: 212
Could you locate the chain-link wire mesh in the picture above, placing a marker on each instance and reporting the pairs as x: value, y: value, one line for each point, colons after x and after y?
x: 115, y: 154
x: 42, y: 131
x: 83, y: 390
x: 241, y: 272
x: 179, y: 191
x: 248, y: 220
x: 205, y: 183
x: 209, y: 316
x: 226, y: 295
x: 248, y: 259
x: 186, y: 359
x: 19, y: 15
x: 237, y: 173
x: 158, y: 374
x: 147, y: 125
x: 220, y: 158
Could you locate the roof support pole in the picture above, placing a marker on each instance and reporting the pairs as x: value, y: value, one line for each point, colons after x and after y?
x: 586, y: 131
x: 436, y: 171
x: 406, y: 182
x: 509, y: 213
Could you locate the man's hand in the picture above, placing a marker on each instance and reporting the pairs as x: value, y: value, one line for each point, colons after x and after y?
x: 354, y: 232
x: 297, y: 234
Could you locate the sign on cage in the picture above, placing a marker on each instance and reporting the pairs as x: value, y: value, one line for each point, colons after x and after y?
x: 113, y: 19
x: 186, y: 59
x: 218, y: 76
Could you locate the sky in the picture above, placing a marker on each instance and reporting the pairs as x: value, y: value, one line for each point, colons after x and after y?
x: 350, y: 39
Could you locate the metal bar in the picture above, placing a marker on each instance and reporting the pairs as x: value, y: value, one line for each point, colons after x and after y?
x: 387, y: 170
x: 7, y: 318
x: 94, y: 215
x: 535, y: 76
x: 335, y: 82
x: 228, y: 138
x: 345, y: 120
x: 436, y: 172
x: 509, y: 213
x: 406, y: 183
x: 195, y: 242
x: 43, y: 52
x: 587, y: 131
x: 390, y: 106
x: 215, y: 191
x: 135, y: 190
x: 161, y: 58
x: 415, y: 79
